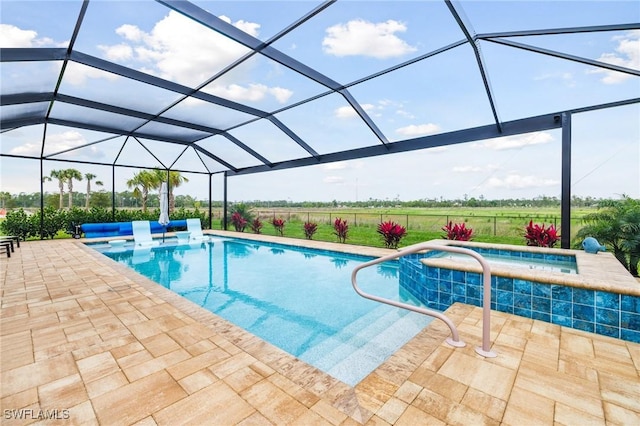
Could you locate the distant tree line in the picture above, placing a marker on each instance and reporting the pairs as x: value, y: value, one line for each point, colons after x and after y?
x: 143, y: 195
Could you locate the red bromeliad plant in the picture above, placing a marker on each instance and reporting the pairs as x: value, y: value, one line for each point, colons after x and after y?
x: 310, y: 228
x: 540, y: 236
x: 239, y: 222
x: 458, y: 232
x: 256, y: 225
x: 279, y: 225
x: 392, y: 233
x: 341, y: 229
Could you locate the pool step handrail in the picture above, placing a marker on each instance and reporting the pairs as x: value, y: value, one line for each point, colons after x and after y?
x: 454, y: 339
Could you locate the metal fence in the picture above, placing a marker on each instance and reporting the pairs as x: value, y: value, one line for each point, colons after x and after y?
x: 498, y: 225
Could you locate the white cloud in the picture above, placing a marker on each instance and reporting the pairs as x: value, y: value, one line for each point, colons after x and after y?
x: 58, y: 142
x: 118, y: 52
x: 335, y: 166
x: 565, y: 77
x: 514, y: 142
x: 515, y: 181
x: 131, y: 32
x: 78, y: 74
x: 12, y: 36
x: 27, y: 149
x: 418, y: 130
x: 281, y: 94
x: 474, y: 169
x: 333, y: 179
x: 627, y: 54
x: 363, y: 38
x: 348, y: 112
x: 181, y: 50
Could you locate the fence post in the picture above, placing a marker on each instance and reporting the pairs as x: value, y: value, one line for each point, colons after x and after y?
x: 495, y: 226
x: 407, y: 221
x: 355, y: 219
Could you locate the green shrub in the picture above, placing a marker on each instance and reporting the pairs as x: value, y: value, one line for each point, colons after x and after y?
x: 16, y: 223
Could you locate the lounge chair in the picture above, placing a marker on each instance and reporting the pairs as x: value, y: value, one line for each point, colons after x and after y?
x: 142, y: 233
x: 194, y: 226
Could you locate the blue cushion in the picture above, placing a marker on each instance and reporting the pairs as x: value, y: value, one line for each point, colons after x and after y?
x: 114, y: 229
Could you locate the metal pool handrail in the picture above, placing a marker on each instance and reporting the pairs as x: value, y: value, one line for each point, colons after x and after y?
x: 454, y: 340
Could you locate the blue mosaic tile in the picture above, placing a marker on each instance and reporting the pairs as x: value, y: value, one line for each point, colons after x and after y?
x: 542, y: 316
x: 474, y: 292
x: 505, y: 298
x: 459, y: 289
x: 562, y: 320
x: 474, y: 301
x: 583, y: 325
x: 630, y: 303
x: 607, y: 330
x: 522, y: 286
x: 608, y: 317
x: 630, y: 335
x: 432, y: 294
x: 584, y: 296
x: 560, y: 292
x: 444, y: 286
x: 607, y: 300
x: 433, y: 273
x: 446, y: 299
x: 558, y: 307
x: 473, y: 278
x: 584, y: 313
x: 505, y: 308
x: 630, y: 320
x: 505, y: 284
x: 522, y: 301
x: 523, y: 312
x: 459, y: 298
x: 541, y: 304
x: 542, y: 290
x: 594, y: 311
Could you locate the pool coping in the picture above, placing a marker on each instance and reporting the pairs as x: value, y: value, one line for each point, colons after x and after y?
x: 600, y: 271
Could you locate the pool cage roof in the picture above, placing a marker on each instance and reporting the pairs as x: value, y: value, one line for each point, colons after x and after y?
x: 213, y: 95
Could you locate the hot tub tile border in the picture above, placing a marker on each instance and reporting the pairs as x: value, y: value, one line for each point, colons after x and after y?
x: 596, y: 311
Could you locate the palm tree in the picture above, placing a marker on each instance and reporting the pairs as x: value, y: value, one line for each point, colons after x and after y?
x: 617, y: 225
x: 89, y: 177
x: 141, y: 183
x: 175, y: 180
x: 70, y: 175
x: 60, y: 175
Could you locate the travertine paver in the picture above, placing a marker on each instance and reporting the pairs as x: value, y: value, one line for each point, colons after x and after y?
x: 84, y: 340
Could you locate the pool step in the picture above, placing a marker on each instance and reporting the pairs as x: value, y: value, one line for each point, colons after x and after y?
x: 364, y: 344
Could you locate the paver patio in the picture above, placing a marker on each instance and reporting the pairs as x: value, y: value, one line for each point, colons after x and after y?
x: 88, y: 341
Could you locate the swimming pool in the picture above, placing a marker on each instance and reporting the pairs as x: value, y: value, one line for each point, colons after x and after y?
x: 300, y: 300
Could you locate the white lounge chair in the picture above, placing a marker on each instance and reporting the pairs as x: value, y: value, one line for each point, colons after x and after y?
x: 195, y: 227
x: 142, y: 233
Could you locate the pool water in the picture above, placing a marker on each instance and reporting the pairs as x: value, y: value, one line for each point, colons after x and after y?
x: 566, y: 267
x: 300, y: 300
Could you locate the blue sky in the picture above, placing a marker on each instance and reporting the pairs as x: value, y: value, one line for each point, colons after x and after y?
x: 349, y: 41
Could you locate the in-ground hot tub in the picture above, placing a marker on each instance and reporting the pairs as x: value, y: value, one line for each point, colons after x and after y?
x: 599, y: 296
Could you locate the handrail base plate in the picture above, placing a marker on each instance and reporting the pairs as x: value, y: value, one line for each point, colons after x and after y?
x: 458, y: 344
x: 486, y: 354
